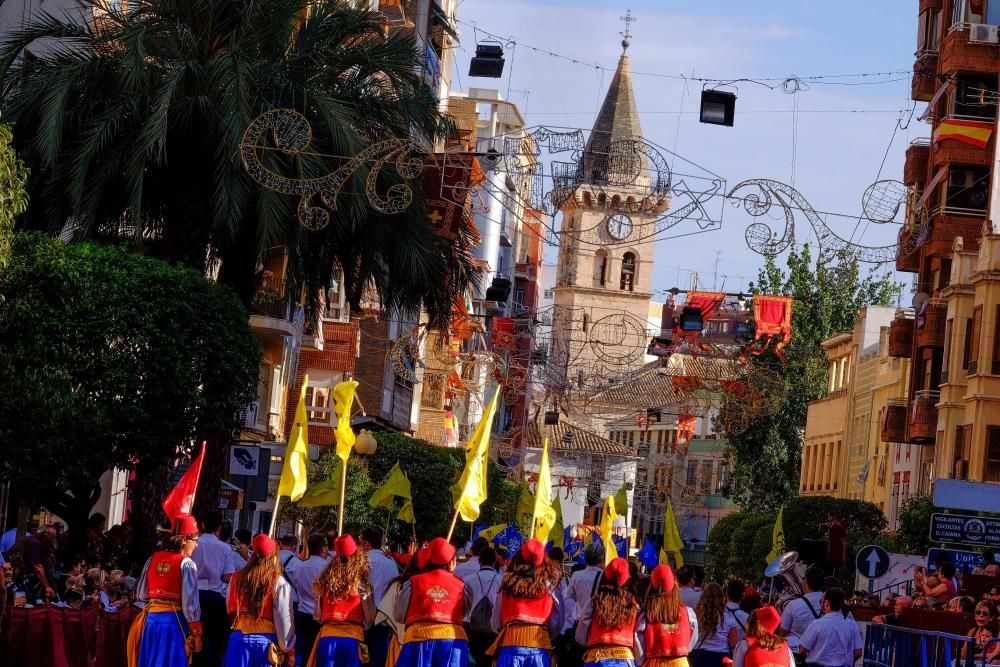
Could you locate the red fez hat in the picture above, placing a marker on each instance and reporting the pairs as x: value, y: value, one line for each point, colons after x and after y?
x: 768, y: 618
x: 663, y: 578
x: 441, y: 551
x: 617, y: 571
x: 263, y: 545
x: 184, y: 524
x: 345, y: 546
x: 533, y: 552
x: 423, y: 555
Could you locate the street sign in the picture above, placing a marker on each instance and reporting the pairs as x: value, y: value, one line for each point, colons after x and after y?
x: 965, y: 529
x: 964, y: 561
x: 872, y: 561
x: 958, y: 494
x: 244, y: 460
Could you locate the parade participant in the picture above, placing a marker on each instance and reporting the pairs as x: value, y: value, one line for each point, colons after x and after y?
x: 667, y: 629
x: 734, y: 594
x: 583, y: 583
x: 834, y: 640
x: 305, y: 575
x: 344, y: 606
x: 484, y: 586
x: 607, y: 627
x: 527, y: 613
x: 168, y: 630
x: 215, y: 568
x: 467, y: 570
x: 289, y: 557
x: 717, y: 629
x: 260, y: 603
x: 432, y: 605
x: 689, y: 593
x: 416, y: 565
x: 383, y: 570
x: 803, y: 611
x: 763, y: 648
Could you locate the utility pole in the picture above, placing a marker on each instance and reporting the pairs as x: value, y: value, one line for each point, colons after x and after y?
x: 715, y: 277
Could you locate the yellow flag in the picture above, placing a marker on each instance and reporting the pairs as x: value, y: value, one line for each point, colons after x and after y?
x: 545, y: 514
x: 293, y: 472
x: 471, y: 487
x: 396, y: 485
x: 608, y: 517
x: 492, y: 531
x: 343, y: 401
x: 672, y: 543
x: 621, y: 500
x: 325, y: 493
x: 406, y: 514
x: 525, y: 508
x: 556, y: 534
x: 777, y: 537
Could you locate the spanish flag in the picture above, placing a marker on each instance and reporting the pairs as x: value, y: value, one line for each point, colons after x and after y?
x: 974, y: 132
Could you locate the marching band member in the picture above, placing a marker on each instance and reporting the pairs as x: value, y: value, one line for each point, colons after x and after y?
x: 667, y: 628
x: 345, y: 607
x: 259, y: 601
x: 527, y: 613
x: 607, y: 627
x: 433, y: 605
x: 168, y: 631
x: 762, y: 647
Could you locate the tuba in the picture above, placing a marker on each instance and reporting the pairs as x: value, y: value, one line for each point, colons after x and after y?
x: 789, y: 568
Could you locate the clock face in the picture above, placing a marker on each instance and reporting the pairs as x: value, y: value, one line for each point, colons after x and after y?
x: 619, y: 226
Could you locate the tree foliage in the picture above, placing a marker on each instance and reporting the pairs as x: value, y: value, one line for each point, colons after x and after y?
x: 111, y: 360
x: 914, y: 518
x: 132, y: 126
x: 827, y: 296
x: 13, y: 191
x: 431, y: 471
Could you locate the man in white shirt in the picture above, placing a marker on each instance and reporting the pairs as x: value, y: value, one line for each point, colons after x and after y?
x: 833, y: 640
x: 486, y: 580
x: 583, y: 582
x: 303, y: 577
x: 289, y: 557
x: 802, y: 612
x: 685, y: 582
x: 734, y: 593
x: 469, y: 567
x: 383, y: 570
x: 214, y: 560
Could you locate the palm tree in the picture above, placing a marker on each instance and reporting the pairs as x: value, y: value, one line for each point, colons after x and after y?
x: 131, y: 125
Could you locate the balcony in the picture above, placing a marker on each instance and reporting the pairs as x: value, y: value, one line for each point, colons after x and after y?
x: 951, y: 152
x: 921, y: 428
x: 526, y: 271
x: 931, y: 324
x: 894, y: 421
x: 958, y: 53
x: 924, y: 82
x: 270, y: 309
x: 908, y: 255
x: 949, y: 223
x: 901, y: 332
x: 917, y: 158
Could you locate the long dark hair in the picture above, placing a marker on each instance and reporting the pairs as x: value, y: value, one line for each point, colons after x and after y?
x: 711, y: 608
x: 614, y: 605
x: 256, y: 581
x: 522, y: 579
x: 663, y: 607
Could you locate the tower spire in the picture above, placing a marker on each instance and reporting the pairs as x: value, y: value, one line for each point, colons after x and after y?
x: 628, y: 20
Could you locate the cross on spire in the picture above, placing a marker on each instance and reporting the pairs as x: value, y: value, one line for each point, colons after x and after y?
x: 628, y: 20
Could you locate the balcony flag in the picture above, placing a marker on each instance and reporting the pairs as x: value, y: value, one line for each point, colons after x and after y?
x: 974, y: 132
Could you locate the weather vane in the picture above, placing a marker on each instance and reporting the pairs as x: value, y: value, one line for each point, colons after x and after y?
x: 628, y: 19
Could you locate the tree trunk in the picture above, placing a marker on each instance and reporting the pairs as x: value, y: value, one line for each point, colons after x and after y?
x: 74, y: 508
x: 239, y: 263
x: 147, y: 492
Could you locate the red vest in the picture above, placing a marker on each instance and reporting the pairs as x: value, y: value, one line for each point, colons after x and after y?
x: 525, y: 610
x: 760, y: 657
x: 669, y: 641
x: 342, y: 610
x: 238, y: 605
x: 623, y: 635
x: 437, y: 597
x: 163, y: 578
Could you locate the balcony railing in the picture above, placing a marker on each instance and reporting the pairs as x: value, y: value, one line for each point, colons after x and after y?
x: 922, y: 427
x: 894, y: 421
x: 931, y: 324
x: 271, y: 300
x: 901, y: 335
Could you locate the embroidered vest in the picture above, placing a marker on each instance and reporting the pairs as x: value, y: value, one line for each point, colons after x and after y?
x: 163, y: 578
x: 622, y: 635
x: 669, y: 640
x: 761, y: 657
x: 437, y: 597
x: 525, y: 610
x: 343, y: 610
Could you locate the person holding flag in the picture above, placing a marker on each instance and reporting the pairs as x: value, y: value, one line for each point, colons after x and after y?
x: 345, y: 606
x: 259, y: 601
x: 667, y: 629
x: 168, y: 630
x: 607, y: 627
x: 527, y: 613
x: 433, y: 605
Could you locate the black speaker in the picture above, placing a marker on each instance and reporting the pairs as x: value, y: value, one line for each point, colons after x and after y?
x: 488, y: 61
x: 718, y: 107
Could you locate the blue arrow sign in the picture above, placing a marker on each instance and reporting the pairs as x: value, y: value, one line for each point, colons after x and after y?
x: 872, y: 561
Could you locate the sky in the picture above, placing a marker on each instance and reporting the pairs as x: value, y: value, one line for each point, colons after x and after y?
x: 843, y: 134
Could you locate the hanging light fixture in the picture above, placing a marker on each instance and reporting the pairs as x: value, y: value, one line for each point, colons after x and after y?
x: 365, y: 444
x: 718, y: 107
x: 488, y: 61
x: 691, y: 319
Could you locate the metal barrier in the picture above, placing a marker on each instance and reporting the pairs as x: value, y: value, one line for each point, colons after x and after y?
x: 889, y: 646
x: 992, y: 648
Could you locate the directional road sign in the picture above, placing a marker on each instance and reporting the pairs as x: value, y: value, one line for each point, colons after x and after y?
x: 872, y: 561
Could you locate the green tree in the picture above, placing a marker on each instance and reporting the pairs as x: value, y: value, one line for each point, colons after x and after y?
x: 132, y: 131
x: 914, y: 518
x: 13, y: 191
x: 112, y: 360
x: 767, y: 455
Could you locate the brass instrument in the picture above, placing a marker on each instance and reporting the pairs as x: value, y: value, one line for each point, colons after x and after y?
x: 792, y: 570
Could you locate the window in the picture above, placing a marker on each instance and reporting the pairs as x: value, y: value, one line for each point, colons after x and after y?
x: 723, y: 477
x: 628, y: 272
x: 977, y: 326
x: 928, y: 29
x: 949, y: 326
x: 319, y: 397
x: 334, y: 307
x: 995, y: 368
x: 992, y: 471
x: 600, y: 267
x: 586, y: 322
x: 692, y: 473
x: 718, y: 326
x: 968, y: 189
x: 706, y: 476
x: 960, y: 466
x: 519, y: 299
x: 974, y: 96
x: 548, y: 294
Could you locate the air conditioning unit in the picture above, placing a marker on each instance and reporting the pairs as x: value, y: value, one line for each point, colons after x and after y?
x: 983, y: 33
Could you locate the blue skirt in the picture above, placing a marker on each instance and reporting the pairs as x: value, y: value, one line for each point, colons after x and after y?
x: 337, y: 652
x: 248, y: 650
x: 162, y: 641
x: 435, y: 653
x: 611, y: 663
x: 522, y: 656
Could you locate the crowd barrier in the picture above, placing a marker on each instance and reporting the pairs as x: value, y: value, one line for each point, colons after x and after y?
x: 891, y: 646
x: 60, y: 637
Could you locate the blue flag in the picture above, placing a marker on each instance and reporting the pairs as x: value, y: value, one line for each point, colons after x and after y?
x: 648, y: 555
x: 621, y: 546
x: 509, y: 540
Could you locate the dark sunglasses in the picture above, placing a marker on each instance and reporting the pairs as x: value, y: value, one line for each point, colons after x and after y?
x: 983, y: 613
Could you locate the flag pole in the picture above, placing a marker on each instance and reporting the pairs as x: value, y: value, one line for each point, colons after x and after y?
x: 343, y: 493
x: 451, y: 529
x: 274, y: 516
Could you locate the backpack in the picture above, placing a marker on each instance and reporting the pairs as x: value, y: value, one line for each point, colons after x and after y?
x: 481, y: 618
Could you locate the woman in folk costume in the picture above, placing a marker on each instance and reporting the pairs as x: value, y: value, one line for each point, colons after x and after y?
x: 527, y: 612
x: 344, y: 606
x: 607, y: 627
x: 763, y: 648
x: 432, y: 605
x: 666, y: 627
x: 168, y: 630
x: 416, y: 565
x: 260, y: 604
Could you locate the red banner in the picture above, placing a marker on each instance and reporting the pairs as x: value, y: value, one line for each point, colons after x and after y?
x: 448, y: 179
x: 773, y: 317
x: 503, y: 332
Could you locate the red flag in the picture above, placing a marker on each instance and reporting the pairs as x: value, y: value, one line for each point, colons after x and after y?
x: 181, y: 499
